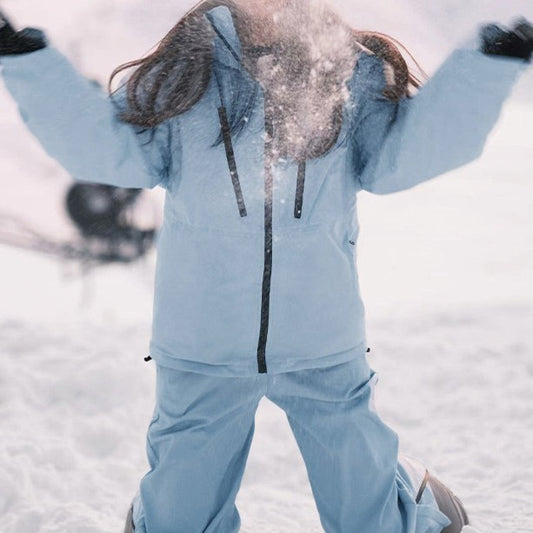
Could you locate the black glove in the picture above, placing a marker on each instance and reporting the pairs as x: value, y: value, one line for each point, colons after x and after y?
x: 516, y: 42
x: 19, y: 42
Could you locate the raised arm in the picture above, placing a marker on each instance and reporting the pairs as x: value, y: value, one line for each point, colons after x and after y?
x: 445, y: 126
x: 74, y: 120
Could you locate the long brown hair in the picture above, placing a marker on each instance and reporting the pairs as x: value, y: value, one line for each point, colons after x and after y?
x: 172, y: 79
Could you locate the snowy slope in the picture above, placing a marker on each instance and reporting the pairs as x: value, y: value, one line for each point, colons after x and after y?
x: 445, y: 271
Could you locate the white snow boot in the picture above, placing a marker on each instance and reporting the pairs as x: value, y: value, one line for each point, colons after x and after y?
x: 449, y: 504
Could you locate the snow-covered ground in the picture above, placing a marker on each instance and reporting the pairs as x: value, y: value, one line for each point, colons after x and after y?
x: 446, y: 271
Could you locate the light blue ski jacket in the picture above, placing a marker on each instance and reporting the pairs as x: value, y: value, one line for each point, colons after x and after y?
x: 247, y: 281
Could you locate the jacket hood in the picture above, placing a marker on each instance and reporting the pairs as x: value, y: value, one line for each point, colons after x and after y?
x: 228, y: 48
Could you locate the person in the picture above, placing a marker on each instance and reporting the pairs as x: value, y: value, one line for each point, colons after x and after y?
x: 262, y: 129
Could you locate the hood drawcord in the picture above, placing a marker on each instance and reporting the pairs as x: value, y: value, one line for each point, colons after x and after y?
x: 230, y: 154
x: 226, y: 134
x: 300, y: 182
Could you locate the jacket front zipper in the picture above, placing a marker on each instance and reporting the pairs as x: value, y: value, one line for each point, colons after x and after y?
x: 267, y: 270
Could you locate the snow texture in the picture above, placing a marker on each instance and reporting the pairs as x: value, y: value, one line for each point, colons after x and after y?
x: 445, y: 271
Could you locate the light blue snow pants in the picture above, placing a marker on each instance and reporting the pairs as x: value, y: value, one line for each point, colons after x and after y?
x: 200, y: 436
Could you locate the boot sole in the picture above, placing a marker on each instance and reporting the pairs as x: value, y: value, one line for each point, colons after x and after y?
x: 450, y: 505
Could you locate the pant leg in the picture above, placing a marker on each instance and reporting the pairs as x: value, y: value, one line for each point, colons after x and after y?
x: 197, y: 443
x: 351, y: 456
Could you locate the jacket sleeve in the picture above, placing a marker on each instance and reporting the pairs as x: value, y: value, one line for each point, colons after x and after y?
x: 78, y: 125
x: 445, y: 126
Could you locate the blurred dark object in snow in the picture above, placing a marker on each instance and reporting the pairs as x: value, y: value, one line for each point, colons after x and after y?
x: 100, y: 212
x: 101, y: 215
